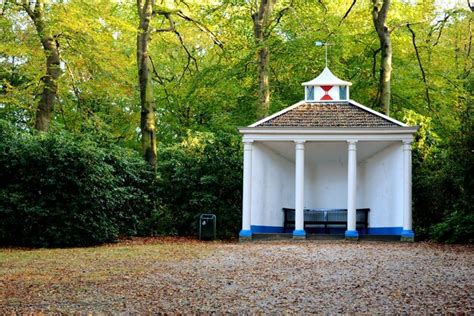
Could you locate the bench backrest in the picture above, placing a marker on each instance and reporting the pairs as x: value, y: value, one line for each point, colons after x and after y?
x: 326, y: 215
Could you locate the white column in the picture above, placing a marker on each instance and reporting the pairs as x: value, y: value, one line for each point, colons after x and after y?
x: 247, y: 190
x: 299, y: 190
x: 351, y: 189
x: 407, y: 216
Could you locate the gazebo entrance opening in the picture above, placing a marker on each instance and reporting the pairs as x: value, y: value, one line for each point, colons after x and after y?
x: 379, y: 185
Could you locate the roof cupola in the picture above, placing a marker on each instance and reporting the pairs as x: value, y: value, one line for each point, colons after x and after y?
x: 326, y: 88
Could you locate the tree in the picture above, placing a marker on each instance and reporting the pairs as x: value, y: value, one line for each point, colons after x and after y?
x: 146, y: 11
x: 379, y: 17
x: 260, y: 27
x: 35, y: 10
x: 147, y: 117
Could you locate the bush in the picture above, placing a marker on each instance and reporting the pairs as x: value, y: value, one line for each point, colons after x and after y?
x: 442, y: 183
x: 62, y: 190
x: 203, y: 174
x: 457, y: 227
x: 158, y: 223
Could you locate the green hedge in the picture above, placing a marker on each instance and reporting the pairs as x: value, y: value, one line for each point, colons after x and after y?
x: 62, y: 190
x: 457, y: 227
x: 203, y: 174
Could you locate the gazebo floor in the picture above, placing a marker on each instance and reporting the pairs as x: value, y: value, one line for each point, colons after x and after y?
x: 289, y: 236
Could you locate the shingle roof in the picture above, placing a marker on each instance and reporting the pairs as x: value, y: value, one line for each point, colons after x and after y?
x: 340, y: 114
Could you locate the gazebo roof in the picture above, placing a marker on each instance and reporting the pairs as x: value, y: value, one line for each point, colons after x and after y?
x: 348, y: 114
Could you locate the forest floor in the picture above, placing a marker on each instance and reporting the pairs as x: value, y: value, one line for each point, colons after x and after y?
x: 176, y: 275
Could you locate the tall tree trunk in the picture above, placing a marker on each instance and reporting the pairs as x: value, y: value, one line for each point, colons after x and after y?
x: 379, y: 16
x: 53, y: 70
x: 260, y: 24
x: 147, y: 120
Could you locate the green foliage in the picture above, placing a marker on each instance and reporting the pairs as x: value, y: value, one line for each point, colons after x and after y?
x: 159, y: 222
x: 63, y: 190
x: 203, y: 174
x: 456, y: 227
x: 442, y: 181
x: 202, y: 94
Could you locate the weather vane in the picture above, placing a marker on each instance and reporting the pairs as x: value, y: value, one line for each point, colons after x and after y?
x: 325, y: 44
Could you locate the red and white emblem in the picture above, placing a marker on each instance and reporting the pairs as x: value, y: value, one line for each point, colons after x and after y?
x: 326, y: 95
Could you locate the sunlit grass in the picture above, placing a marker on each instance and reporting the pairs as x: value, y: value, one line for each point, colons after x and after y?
x: 93, y: 263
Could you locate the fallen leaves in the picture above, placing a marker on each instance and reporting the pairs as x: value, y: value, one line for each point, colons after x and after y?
x: 176, y: 275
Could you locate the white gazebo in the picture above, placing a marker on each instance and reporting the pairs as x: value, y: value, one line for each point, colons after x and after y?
x: 327, y: 152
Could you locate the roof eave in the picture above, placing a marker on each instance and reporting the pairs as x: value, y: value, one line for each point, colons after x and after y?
x: 329, y: 130
x: 333, y: 83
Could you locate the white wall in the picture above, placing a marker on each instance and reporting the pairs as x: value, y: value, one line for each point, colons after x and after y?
x: 382, y: 179
x: 379, y: 182
x: 273, y: 186
x: 326, y: 185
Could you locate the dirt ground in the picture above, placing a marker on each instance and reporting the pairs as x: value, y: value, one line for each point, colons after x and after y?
x: 186, y: 276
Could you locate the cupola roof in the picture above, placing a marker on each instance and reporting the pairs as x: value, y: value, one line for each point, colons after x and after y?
x: 327, y: 78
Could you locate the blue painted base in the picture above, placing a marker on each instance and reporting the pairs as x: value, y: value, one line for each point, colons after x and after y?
x: 351, y: 234
x: 245, y: 233
x: 408, y: 233
x: 268, y: 229
x: 299, y: 233
x: 387, y: 231
x: 394, y: 231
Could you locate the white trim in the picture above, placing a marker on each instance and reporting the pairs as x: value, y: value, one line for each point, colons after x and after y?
x: 377, y: 113
x: 328, y: 101
x: 328, y: 138
x: 328, y: 130
x: 291, y: 107
x: 326, y: 134
x: 328, y: 83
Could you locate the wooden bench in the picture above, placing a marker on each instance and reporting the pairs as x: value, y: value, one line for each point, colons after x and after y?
x: 326, y: 217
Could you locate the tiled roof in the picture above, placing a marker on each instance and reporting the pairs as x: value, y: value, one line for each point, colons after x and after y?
x: 341, y: 114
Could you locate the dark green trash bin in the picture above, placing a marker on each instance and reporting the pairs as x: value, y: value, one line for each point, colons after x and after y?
x: 207, y: 227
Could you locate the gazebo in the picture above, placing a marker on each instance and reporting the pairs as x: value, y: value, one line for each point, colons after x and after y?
x: 327, y: 156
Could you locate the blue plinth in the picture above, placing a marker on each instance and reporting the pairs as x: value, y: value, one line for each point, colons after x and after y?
x: 408, y: 233
x: 245, y: 233
x: 299, y: 233
x: 351, y: 234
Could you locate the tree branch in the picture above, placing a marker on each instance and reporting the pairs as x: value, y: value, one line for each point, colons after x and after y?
x: 180, y: 38
x: 172, y: 28
x: 321, y: 3
x: 277, y: 19
x: 201, y: 27
x: 413, y: 37
x: 347, y: 12
x: 26, y: 6
x: 331, y: 33
x: 439, y: 26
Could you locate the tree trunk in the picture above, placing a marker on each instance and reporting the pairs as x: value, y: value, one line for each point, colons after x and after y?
x: 147, y: 120
x: 379, y: 16
x: 53, y: 70
x: 260, y: 24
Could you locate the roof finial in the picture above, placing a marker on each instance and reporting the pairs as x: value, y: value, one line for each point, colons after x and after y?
x: 325, y: 44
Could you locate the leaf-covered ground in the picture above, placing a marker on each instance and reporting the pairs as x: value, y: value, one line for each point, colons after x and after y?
x: 179, y: 275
